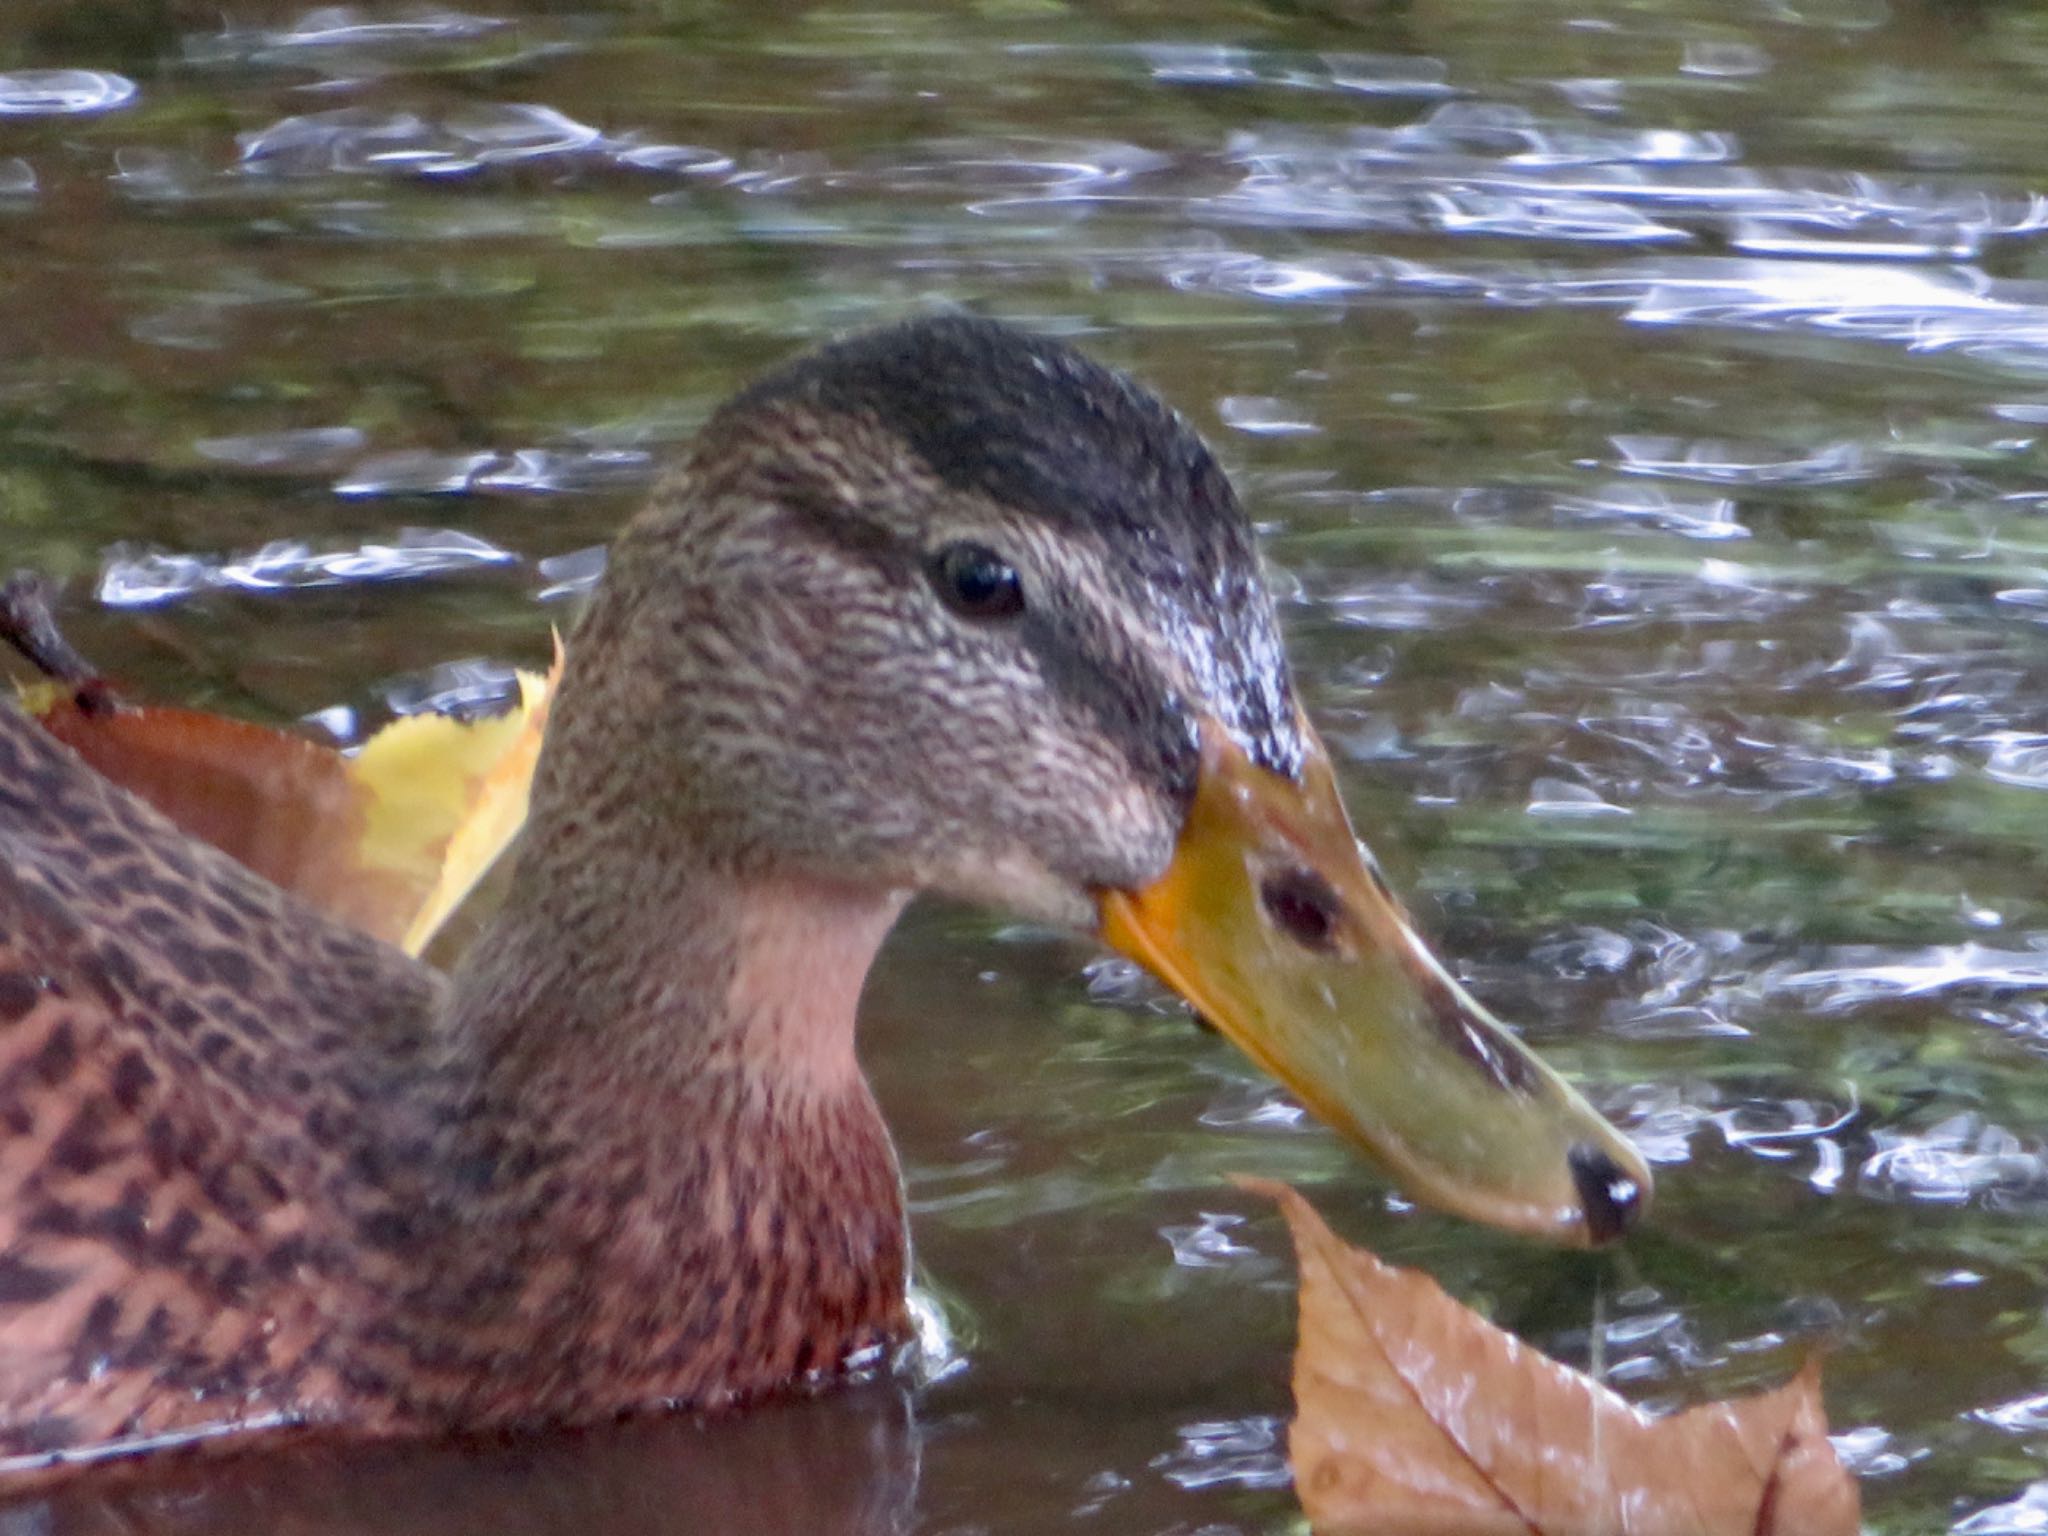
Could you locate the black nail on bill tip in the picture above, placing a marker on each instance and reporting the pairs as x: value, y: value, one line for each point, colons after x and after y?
x: 1612, y: 1199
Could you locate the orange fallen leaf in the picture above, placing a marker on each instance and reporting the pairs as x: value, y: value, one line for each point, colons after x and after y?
x: 1417, y: 1417
x: 281, y: 804
x: 389, y: 840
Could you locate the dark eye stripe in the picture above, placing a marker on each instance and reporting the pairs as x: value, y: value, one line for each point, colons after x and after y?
x: 1122, y: 693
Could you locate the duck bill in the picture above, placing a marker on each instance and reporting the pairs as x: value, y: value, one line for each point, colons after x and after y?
x: 1274, y: 922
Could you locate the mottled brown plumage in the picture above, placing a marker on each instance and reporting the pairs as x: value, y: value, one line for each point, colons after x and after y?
x: 255, y: 1167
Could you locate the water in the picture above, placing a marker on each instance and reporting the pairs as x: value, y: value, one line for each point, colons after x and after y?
x: 1645, y: 404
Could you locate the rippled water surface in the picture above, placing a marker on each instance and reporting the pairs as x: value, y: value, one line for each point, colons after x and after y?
x: 1645, y: 404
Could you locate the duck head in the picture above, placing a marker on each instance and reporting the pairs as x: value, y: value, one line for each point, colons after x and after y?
x: 950, y: 607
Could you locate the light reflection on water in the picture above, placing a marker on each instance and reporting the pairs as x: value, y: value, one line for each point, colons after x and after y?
x: 151, y: 578
x: 63, y: 92
x: 1644, y: 406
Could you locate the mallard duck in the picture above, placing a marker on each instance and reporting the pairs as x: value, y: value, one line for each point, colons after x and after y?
x: 943, y: 607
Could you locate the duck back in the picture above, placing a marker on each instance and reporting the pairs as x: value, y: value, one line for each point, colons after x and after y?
x: 187, y: 1055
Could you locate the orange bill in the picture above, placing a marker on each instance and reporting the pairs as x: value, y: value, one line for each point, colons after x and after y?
x: 1275, y: 924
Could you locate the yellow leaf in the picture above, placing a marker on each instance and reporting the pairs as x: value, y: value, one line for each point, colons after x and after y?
x: 493, y: 809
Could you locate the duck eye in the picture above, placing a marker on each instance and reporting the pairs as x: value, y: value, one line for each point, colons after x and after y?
x: 977, y: 583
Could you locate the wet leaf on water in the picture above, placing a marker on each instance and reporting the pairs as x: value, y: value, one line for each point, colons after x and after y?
x: 471, y: 777
x: 390, y: 840
x: 1414, y: 1415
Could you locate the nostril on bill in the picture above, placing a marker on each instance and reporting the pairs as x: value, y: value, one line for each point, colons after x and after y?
x: 1300, y: 903
x: 1610, y: 1196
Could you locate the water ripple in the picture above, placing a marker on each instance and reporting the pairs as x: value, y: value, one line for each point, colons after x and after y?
x: 1921, y: 309
x: 140, y: 579
x: 467, y: 688
x: 569, y: 470
x: 1208, y: 1244
x: 1720, y: 463
x: 1783, y: 1129
x: 1254, y: 1104
x: 430, y: 472
x: 1726, y: 60
x: 1399, y: 603
x: 61, y: 92
x: 331, y: 26
x: 415, y: 472
x: 988, y: 176
x: 341, y: 42
x: 1259, y: 277
x: 1560, y: 797
x: 2017, y: 757
x: 1647, y: 506
x: 1362, y: 74
x: 1961, y: 1159
x: 1242, y: 1453
x: 303, y: 450
x: 573, y: 574
x: 1687, y: 986
x: 671, y: 159
x: 2022, y: 1416
x: 2026, y: 1515
x: 1870, y: 1450
x: 1855, y: 975
x: 1395, y: 180
x: 1662, y: 1118
x: 1489, y: 168
x: 150, y: 174
x: 1264, y: 416
x: 352, y: 140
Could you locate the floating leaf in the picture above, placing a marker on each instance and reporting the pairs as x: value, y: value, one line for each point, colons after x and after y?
x: 285, y: 806
x: 429, y: 772
x: 1414, y: 1415
x: 389, y: 840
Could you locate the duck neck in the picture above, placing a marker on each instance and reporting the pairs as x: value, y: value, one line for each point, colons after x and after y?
x: 613, y: 979
x: 674, y: 1122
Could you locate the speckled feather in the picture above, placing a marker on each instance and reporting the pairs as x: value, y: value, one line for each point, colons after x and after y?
x: 242, y: 1176
x: 255, y: 1166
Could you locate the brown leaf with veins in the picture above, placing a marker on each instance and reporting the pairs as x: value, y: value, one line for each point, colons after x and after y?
x: 1417, y: 1417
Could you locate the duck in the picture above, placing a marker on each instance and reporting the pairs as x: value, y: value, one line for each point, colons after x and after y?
x: 941, y: 607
